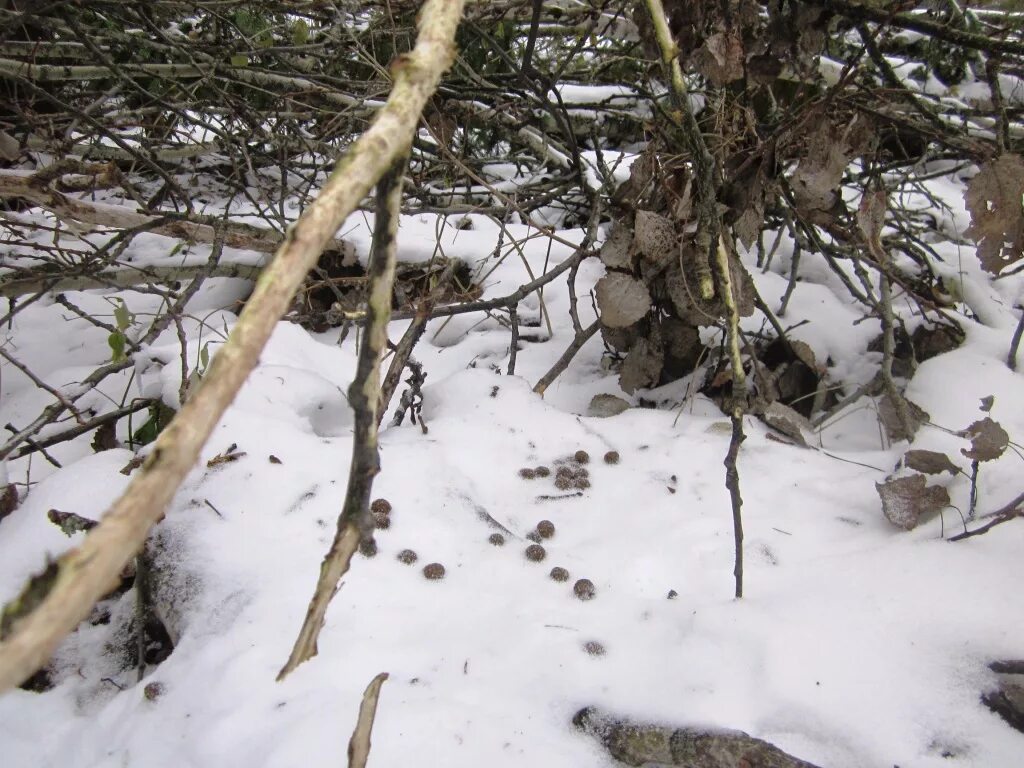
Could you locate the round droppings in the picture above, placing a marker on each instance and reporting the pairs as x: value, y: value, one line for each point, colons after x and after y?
x: 584, y: 589
x: 381, y: 522
x: 559, y: 574
x: 496, y: 539
x: 153, y: 691
x: 581, y: 457
x: 546, y: 529
x: 433, y: 571
x: 672, y: 594
x: 612, y: 457
x: 407, y: 556
x: 593, y: 648
x: 368, y: 548
x: 582, y: 483
x: 542, y: 471
x: 534, y: 536
x: 536, y: 553
x: 527, y: 473
x: 381, y: 507
x: 563, y: 483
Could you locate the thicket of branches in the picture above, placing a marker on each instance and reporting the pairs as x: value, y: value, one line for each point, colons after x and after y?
x: 815, y: 121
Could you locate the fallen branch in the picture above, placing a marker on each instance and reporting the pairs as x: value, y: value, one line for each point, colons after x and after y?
x: 195, y: 228
x: 52, y: 604
x: 359, y: 744
x: 563, y: 362
x: 122, y: 278
x: 1009, y: 512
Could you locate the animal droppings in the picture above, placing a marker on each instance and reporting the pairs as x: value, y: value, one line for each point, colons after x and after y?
x: 407, y: 556
x: 559, y: 574
x: 496, y: 539
x: 581, y: 457
x: 593, y: 648
x: 433, y: 571
x: 381, y: 507
x: 612, y: 457
x: 584, y: 589
x: 368, y: 548
x: 536, y: 553
x: 527, y: 473
x: 546, y: 529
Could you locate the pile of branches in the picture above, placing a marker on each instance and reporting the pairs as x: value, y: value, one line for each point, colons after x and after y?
x: 218, y: 122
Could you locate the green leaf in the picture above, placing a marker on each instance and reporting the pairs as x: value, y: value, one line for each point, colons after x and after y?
x: 117, y: 341
x: 240, y: 60
x: 122, y: 317
x: 300, y: 32
x: 204, y: 356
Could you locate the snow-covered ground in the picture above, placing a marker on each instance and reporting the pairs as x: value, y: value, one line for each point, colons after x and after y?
x: 857, y: 645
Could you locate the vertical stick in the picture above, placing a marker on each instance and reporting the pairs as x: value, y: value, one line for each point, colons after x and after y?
x: 739, y: 393
x: 354, y: 522
x: 359, y: 744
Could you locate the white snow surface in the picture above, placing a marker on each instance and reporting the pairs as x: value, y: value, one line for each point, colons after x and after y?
x: 856, y: 645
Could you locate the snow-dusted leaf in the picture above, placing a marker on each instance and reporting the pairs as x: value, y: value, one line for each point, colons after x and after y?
x: 642, y: 366
x: 655, y: 236
x: 615, y: 250
x: 622, y: 300
x: 787, y: 421
x: 806, y: 355
x: 988, y: 440
x: 605, y: 405
x: 993, y: 198
x: 929, y: 462
x: 906, y: 499
x: 987, y: 403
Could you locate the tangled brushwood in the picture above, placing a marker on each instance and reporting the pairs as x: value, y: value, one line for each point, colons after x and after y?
x: 686, y: 140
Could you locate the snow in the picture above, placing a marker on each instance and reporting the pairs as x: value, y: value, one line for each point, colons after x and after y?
x: 855, y: 645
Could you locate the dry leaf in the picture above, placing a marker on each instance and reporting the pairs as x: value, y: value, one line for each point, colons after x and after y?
x: 871, y: 216
x: 993, y: 198
x: 655, y: 237
x: 622, y: 300
x: 615, y: 251
x: 891, y: 420
x: 906, y: 499
x: 69, y: 522
x: 105, y: 438
x: 642, y: 366
x: 929, y: 462
x: 988, y: 440
x: 8, y: 500
x: 787, y: 421
x: 987, y: 403
x: 721, y: 58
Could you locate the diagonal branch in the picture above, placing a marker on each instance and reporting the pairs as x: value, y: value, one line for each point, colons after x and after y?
x: 53, y: 604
